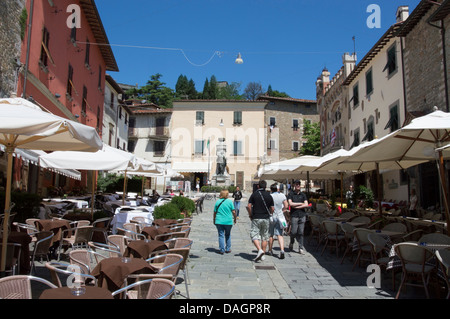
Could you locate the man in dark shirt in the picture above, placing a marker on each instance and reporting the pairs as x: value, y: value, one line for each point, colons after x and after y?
x: 260, y: 208
x: 237, y: 195
x: 298, y: 201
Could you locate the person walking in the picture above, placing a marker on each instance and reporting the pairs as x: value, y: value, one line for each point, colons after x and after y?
x: 237, y: 195
x: 224, y: 219
x: 298, y: 201
x: 276, y: 223
x: 260, y: 208
x: 413, y: 203
x: 349, y: 196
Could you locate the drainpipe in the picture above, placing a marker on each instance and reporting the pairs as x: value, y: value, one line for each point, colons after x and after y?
x: 30, y: 21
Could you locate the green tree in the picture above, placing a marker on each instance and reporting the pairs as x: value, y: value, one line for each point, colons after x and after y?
x: 311, y: 132
x: 213, y: 87
x: 230, y: 92
x: 156, y: 92
x: 205, y: 94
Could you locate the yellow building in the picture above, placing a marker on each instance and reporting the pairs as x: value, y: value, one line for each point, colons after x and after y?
x: 199, y: 126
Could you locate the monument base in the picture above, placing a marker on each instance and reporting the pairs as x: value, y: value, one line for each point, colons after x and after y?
x: 221, y: 180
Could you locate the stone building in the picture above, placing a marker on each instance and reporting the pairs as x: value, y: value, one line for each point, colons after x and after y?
x: 426, y: 52
x: 284, y: 119
x: 12, y: 31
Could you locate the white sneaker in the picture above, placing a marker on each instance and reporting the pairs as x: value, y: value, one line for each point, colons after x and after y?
x: 301, y: 251
x: 260, y: 255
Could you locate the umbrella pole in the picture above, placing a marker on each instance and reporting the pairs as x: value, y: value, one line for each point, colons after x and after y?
x: 342, y: 190
x: 444, y: 188
x: 9, y: 152
x: 124, y: 186
x: 93, y: 195
x: 379, y: 187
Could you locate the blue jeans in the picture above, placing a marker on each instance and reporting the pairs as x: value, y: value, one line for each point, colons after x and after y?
x: 237, y: 206
x: 224, y: 237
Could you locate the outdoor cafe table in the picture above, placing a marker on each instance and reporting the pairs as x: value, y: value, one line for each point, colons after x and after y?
x: 165, y: 222
x: 124, y: 215
x: 152, y: 231
x: 143, y: 248
x: 65, y: 293
x: 112, y: 272
x: 24, y: 239
x: 57, y: 226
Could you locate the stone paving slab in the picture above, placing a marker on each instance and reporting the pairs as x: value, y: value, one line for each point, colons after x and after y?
x: 234, y: 276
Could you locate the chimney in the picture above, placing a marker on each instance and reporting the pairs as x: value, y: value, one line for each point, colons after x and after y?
x: 402, y: 13
x: 349, y: 62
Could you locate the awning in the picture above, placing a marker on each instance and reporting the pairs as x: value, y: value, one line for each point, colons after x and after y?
x: 32, y: 156
x: 190, y: 167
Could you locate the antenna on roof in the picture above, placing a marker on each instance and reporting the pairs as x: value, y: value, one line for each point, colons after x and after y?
x: 354, y: 45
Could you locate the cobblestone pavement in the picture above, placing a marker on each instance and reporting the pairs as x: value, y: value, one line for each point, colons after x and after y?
x: 237, y: 276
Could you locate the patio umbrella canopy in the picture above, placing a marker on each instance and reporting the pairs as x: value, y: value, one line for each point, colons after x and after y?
x: 106, y: 159
x: 423, y: 140
x: 25, y: 125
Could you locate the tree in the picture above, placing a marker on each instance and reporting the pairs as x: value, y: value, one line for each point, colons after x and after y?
x: 213, y: 87
x: 311, y: 132
x: 156, y: 92
x: 229, y: 92
x: 185, y: 89
x: 205, y: 94
x: 275, y: 93
x: 253, y: 91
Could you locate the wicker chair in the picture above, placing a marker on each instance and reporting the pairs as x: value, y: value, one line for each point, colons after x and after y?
x: 443, y: 256
x: 41, y: 247
x: 79, y: 238
x: 364, y: 246
x: 57, y: 270
x: 380, y: 252
x: 414, y: 260
x: 435, y: 238
x: 332, y: 234
x: 155, y: 288
x: 348, y: 238
x: 167, y: 264
x: 19, y: 286
x: 396, y: 227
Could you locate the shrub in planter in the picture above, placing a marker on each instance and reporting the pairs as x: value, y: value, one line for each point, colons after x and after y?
x: 185, y: 205
x: 27, y: 205
x: 167, y: 211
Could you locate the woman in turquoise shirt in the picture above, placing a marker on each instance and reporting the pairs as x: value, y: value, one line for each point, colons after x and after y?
x: 224, y: 219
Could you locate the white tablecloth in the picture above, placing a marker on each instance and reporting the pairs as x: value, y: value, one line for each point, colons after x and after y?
x: 123, y: 217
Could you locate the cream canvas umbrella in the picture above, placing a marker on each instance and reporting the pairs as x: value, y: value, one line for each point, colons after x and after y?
x: 25, y: 125
x: 424, y: 139
x: 106, y: 159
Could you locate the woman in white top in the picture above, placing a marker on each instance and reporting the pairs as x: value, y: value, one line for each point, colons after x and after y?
x: 413, y: 203
x: 276, y: 221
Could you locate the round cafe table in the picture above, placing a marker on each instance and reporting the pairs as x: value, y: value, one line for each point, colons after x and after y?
x: 153, y: 231
x: 65, y: 293
x: 112, y: 272
x: 143, y: 249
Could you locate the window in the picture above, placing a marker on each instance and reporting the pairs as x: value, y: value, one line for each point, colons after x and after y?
x: 84, y: 102
x: 73, y: 35
x: 200, y: 117
x: 391, y: 65
x: 160, y: 125
x: 237, y: 148
x: 393, y: 122
x: 70, y: 81
x: 355, y: 97
x: 369, y: 82
x: 88, y: 49
x: 158, y: 147
x: 272, y: 121
x: 295, y: 124
x: 111, y: 103
x: 199, y: 146
x: 272, y: 144
x: 295, y: 145
x: 45, y: 52
x: 132, y: 122
x: 100, y: 75
x: 370, y: 134
x: 120, y: 113
x: 355, y: 138
x: 237, y: 117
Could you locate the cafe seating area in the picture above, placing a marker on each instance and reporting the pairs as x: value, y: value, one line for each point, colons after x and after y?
x: 129, y: 255
x: 411, y: 251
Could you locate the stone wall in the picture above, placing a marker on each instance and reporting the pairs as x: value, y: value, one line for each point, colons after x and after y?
x: 424, y: 68
x: 10, y: 44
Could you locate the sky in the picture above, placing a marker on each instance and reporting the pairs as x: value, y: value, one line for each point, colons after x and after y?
x: 284, y: 43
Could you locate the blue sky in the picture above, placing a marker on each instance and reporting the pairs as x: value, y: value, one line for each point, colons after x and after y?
x: 284, y: 43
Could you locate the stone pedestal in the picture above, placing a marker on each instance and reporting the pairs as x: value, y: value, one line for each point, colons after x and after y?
x: 221, y: 180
